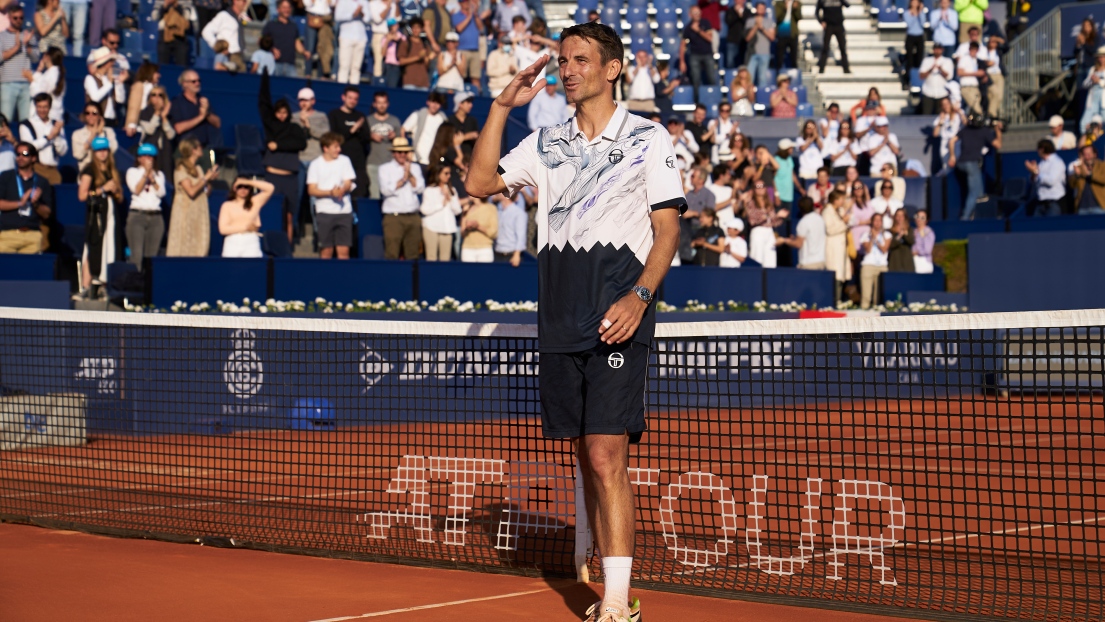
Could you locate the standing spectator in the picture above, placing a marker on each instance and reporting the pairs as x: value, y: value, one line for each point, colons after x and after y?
x: 724, y: 127
x: 393, y: 72
x: 240, y: 218
x: 101, y: 19
x: 721, y: 185
x: 348, y: 122
x: 875, y: 244
x: 415, y: 57
x: 862, y: 210
x: 1085, y: 46
x: 437, y: 23
x: 924, y: 239
x: 450, y: 78
x: 172, y: 41
x: 784, y: 101
x: 501, y: 66
x: 809, y: 237
x: 972, y: 14
x: 17, y: 56
x: 786, y: 180
x: 641, y: 77
x: 263, y: 59
x: 467, y: 129
x: 352, y: 39
x: 829, y: 127
x: 973, y: 138
x: 763, y: 219
x: 945, y: 24
x: 974, y: 35
x: 383, y: 127
x: 76, y: 13
x: 479, y: 226
x: 49, y: 78
x: 696, y: 51
x: 1051, y: 178
x: 736, y: 16
x: 915, y: 19
x: 145, y: 224
x: 1087, y: 180
x: 330, y: 180
x: 469, y: 26
x: 548, y: 107
x: 190, y: 219
x: 510, y: 240
x: 820, y: 189
x: 760, y: 34
x: 683, y: 143
x: 666, y: 86
x: 900, y: 255
x: 26, y: 202
x: 106, y: 88
x: 206, y: 10
x: 421, y: 127
x: 380, y: 12
x: 811, y: 157
x: 708, y: 240
x: 702, y: 131
x: 51, y: 26
x: 93, y: 128
x: 736, y: 247
x: 191, y: 113
x: 995, y: 90
x: 835, y: 214
x: 440, y: 208
x: 315, y: 125
x: 400, y: 184
x: 100, y: 188
x: 285, y: 40
x: 320, y: 36
x: 1059, y: 137
x: 506, y: 12
x: 882, y: 147
x: 936, y: 71
x: 787, y: 15
x: 227, y: 26
x: 971, y: 73
x: 155, y: 128
x: 831, y: 15
x: 946, y: 126
x: 48, y: 138
x: 283, y: 141
x: 742, y: 92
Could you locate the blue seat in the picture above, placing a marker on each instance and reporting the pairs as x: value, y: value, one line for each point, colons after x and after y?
x: 728, y: 75
x: 19, y: 267
x: 370, y: 218
x: 634, y: 4
x: 612, y: 4
x: 682, y: 98
x: 763, y: 98
x: 581, y: 15
x: 805, y: 111
x: 669, y: 46
x: 915, y: 81
x: 207, y: 279
x: 771, y: 77
x: 916, y: 194
x: 800, y: 91
x: 70, y: 241
x: 962, y: 229
x: 123, y: 282
x: 588, y: 5
x: 660, y: 5
x: 132, y: 41
x: 709, y: 96
x: 372, y: 246
x: 640, y: 30
x: 275, y: 244
x: 667, y: 19
x: 637, y: 15
x: 640, y: 44
x: 612, y: 17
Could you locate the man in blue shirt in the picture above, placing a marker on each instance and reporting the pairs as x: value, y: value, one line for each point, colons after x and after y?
x: 26, y: 200
x: 513, y: 225
x: 945, y: 24
x: 548, y: 107
x: 1051, y: 180
x: 467, y: 23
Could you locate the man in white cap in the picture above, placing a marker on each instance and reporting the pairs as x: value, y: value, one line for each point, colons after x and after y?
x: 548, y: 107
x: 882, y: 146
x: 1062, y: 139
x: 736, y: 247
x: 401, y: 183
x: 463, y: 122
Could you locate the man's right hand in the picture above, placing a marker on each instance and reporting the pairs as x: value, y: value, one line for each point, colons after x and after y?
x: 521, y: 89
x: 27, y: 34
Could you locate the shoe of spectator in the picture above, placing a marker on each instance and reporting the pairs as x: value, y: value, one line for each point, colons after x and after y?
x: 81, y: 295
x: 610, y: 614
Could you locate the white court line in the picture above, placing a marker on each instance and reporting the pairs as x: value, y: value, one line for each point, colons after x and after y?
x: 454, y: 603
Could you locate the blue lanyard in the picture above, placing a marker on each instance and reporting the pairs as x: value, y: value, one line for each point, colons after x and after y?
x: 19, y: 183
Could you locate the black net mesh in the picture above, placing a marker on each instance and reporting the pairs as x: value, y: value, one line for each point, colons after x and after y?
x: 940, y: 466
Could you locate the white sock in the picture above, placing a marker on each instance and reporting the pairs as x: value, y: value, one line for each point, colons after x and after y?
x: 616, y: 572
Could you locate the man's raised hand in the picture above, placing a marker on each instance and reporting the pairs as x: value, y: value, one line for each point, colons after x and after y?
x: 521, y: 89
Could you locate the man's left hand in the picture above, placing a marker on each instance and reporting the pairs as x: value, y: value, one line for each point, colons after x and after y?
x: 624, y: 316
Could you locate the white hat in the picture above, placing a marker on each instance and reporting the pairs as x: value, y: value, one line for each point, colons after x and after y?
x: 460, y: 98
x: 452, y: 36
x: 1055, y: 121
x: 1097, y: 119
x: 785, y: 144
x: 735, y: 223
x: 305, y: 93
x: 99, y: 56
x: 882, y: 122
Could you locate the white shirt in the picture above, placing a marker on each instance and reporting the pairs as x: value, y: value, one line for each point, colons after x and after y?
x: 948, y: 128
x: 524, y: 57
x: 935, y: 85
x: 876, y: 257
x: 424, y: 142
x: 48, y: 151
x: 864, y: 123
x: 108, y: 93
x: 887, y: 208
x: 967, y: 63
x: 375, y: 8
x: 642, y: 84
x: 734, y: 247
x: 223, y: 27
x: 846, y: 147
x: 45, y: 82
x: 144, y: 197
x: 810, y: 159
x: 439, y: 215
x: 1066, y: 140
x: 1052, y: 179
x: 833, y: 129
x: 318, y: 7
x: 884, y: 154
x: 721, y: 193
x: 812, y: 231
x: 547, y: 110
x: 327, y: 175
x: 964, y: 49
x: 352, y: 29
x: 400, y: 199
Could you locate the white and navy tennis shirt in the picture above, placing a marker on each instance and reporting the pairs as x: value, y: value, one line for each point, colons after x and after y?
x: 594, y: 230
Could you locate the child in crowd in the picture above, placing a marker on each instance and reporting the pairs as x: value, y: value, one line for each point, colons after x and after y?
x: 736, y: 247
x: 222, y: 59
x: 263, y: 58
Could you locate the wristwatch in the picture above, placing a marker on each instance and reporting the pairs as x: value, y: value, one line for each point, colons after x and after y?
x: 643, y: 293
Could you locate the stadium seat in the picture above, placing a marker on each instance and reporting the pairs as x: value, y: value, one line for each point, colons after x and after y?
x: 916, y: 194
x: 728, y: 75
x: 800, y: 91
x: 275, y: 243
x: 667, y: 19
x: 682, y: 98
x: 640, y: 43
x: 771, y: 77
x: 915, y: 81
x: 612, y: 4
x: 1014, y: 192
x: 636, y: 4
x: 669, y: 48
x: 805, y: 111
x: 588, y: 5
x: 660, y: 5
x: 763, y: 98
x: 709, y: 96
x: 124, y: 281
x: 640, y: 30
x: 637, y: 16
x: 18, y: 267
x: 684, y: 8
x: 581, y: 15
x: 611, y: 17
x: 372, y: 246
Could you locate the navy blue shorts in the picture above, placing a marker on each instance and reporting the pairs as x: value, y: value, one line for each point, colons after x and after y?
x: 598, y: 391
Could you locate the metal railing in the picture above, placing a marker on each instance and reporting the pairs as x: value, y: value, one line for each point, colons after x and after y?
x: 1033, y: 54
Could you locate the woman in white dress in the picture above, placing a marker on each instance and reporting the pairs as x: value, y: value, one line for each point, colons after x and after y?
x: 240, y: 218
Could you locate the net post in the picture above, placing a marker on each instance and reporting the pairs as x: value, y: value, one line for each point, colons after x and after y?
x: 583, y: 531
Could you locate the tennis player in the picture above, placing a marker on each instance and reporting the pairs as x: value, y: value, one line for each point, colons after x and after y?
x: 609, y: 200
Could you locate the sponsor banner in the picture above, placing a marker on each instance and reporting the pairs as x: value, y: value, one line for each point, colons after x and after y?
x: 28, y: 421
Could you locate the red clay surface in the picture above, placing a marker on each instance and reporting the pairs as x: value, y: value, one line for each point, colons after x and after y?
x: 53, y: 575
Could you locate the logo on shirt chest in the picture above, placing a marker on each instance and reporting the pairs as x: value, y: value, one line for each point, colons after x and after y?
x: 670, y: 162
x: 616, y: 156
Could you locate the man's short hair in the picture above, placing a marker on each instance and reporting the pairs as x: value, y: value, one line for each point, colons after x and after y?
x: 184, y: 75
x: 283, y: 2
x: 21, y: 145
x: 824, y: 169
x: 331, y: 138
x: 111, y: 31
x: 15, y: 8
x: 1046, y: 146
x: 43, y: 97
x: 350, y: 89
x: 610, y: 44
x: 436, y: 96
x: 834, y: 105
x: 379, y: 94
x: 709, y: 211
x: 805, y: 205
x: 700, y: 107
x: 835, y: 196
x: 720, y: 171
x: 518, y: 18
x: 974, y: 29
x: 1087, y: 146
x: 416, y: 21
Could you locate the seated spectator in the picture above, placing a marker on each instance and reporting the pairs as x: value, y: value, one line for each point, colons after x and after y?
x: 145, y: 224
x: 865, y: 111
x: 240, y: 217
x: 914, y: 18
x: 222, y: 61
x: 1058, y: 136
x: 838, y: 256
x: 401, y: 182
x: 191, y: 113
x: 888, y: 173
x: 422, y: 125
x: 842, y: 153
x: 320, y: 36
x: 440, y: 208
x: 936, y: 71
x: 1094, y: 131
x: 1050, y: 177
x: 900, y: 256
x: 284, y: 34
x: 809, y: 237
x: 383, y: 127
x: 466, y: 126
x: 696, y: 50
x: 881, y: 146
x: 1087, y: 181
x: 154, y: 128
x: 479, y: 227
x: 829, y: 127
x: 682, y: 142
x: 501, y: 66
x: 49, y: 78
x: 875, y: 244
x: 469, y: 24
x: 819, y: 190
x: 725, y: 128
x: 100, y: 188
x: 708, y: 240
x: 173, y: 44
x: 548, y: 107
x: 263, y: 59
x: 190, y: 219
x: 353, y: 16
x: 510, y: 242
x: 924, y: 239
x: 47, y: 136
x: 415, y: 58
x: 145, y: 79
x: 811, y: 154
x: 946, y: 126
x: 331, y: 180
x: 104, y: 87
x: 25, y: 204
x: 450, y: 79
x: 784, y: 101
x: 736, y: 248
x: 641, y: 77
x: 995, y: 80
x: 7, y: 146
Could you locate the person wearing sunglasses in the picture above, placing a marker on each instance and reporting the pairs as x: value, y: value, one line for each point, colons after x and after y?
x: 26, y: 201
x: 18, y: 55
x: 48, y: 137
x: 94, y: 128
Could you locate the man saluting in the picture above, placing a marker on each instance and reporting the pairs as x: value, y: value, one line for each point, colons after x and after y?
x: 610, y: 196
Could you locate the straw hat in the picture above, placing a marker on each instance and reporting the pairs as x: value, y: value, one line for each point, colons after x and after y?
x: 401, y: 144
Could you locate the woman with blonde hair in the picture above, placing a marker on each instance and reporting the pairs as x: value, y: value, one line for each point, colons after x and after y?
x: 742, y: 92
x: 100, y: 188
x: 190, y: 223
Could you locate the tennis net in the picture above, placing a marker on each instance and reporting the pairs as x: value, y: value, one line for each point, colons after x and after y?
x: 937, y: 466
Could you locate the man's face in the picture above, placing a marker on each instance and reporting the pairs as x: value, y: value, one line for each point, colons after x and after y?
x: 16, y: 19
x: 191, y: 82
x: 696, y: 13
x: 332, y: 151
x: 465, y: 106
x: 723, y: 111
x: 833, y: 114
x: 584, y: 74
x: 698, y: 179
x: 642, y: 58
x: 350, y: 99
x: 1089, y: 155
x: 973, y: 35
x: 433, y: 106
x: 284, y: 9
x: 675, y: 128
x: 699, y: 115
x: 238, y: 6
x: 761, y: 9
x: 938, y: 51
x: 43, y: 109
x: 945, y: 4
x: 402, y: 157
x: 706, y: 220
x: 416, y: 30
x: 380, y: 105
x: 23, y: 158
x: 973, y: 51
x: 307, y: 105
x: 111, y: 42
x: 822, y: 178
x: 1057, y: 130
